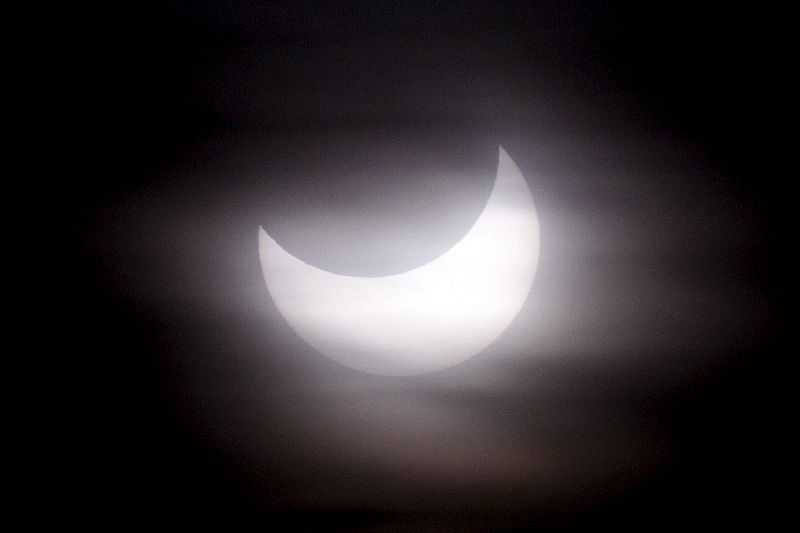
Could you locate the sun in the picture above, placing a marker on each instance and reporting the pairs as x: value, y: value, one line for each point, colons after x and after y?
x: 429, y: 318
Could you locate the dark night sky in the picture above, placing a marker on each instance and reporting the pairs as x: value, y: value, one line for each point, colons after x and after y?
x: 636, y: 389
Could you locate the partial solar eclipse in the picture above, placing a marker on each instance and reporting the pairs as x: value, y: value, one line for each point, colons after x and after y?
x: 429, y: 318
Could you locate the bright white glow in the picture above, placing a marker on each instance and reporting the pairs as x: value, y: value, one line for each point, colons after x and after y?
x: 426, y: 319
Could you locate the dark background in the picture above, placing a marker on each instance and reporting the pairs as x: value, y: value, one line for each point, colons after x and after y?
x: 187, y: 124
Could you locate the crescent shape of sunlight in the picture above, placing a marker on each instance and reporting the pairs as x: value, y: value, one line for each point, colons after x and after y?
x: 426, y: 319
